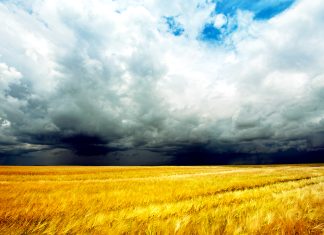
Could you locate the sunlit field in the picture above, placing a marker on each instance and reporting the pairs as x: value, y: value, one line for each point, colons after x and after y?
x: 162, y: 200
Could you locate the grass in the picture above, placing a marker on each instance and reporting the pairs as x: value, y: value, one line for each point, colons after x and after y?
x: 286, y: 199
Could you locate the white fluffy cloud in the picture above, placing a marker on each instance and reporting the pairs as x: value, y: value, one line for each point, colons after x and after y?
x: 220, y: 20
x: 111, y: 69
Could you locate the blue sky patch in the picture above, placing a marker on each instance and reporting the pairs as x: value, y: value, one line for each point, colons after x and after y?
x: 174, y: 27
x: 210, y: 33
x: 271, y: 11
x: 262, y: 10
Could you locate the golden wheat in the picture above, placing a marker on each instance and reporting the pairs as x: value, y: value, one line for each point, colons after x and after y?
x: 162, y: 200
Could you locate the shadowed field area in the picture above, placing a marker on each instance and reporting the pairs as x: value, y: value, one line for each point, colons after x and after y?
x: 157, y: 200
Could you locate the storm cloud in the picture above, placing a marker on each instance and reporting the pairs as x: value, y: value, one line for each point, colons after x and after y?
x: 158, y: 81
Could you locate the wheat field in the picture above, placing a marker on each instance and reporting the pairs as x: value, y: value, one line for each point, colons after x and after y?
x: 286, y: 199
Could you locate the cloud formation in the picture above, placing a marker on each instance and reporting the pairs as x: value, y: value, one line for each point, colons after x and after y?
x: 120, y: 75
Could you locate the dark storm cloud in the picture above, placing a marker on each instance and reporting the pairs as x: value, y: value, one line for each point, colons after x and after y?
x: 107, y: 82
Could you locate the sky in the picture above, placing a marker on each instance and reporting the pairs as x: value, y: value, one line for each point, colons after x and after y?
x: 154, y: 82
